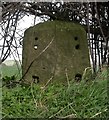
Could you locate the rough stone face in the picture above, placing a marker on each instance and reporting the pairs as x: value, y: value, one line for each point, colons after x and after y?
x: 66, y: 56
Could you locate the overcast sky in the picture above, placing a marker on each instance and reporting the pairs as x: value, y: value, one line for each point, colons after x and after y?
x: 23, y: 24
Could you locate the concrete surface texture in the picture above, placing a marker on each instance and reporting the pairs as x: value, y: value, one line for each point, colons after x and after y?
x: 56, y: 50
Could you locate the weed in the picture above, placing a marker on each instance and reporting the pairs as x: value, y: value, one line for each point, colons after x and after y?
x: 78, y: 100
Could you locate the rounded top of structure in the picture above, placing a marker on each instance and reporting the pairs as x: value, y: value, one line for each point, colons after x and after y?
x: 56, y: 24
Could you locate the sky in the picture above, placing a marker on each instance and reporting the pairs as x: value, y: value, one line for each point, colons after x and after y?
x: 23, y: 24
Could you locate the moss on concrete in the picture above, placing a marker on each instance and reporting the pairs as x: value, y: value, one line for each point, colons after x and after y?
x: 68, y: 53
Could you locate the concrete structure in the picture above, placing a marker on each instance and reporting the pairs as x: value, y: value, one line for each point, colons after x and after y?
x: 54, y: 49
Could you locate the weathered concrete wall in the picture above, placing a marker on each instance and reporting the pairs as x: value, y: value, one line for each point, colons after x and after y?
x: 67, y: 54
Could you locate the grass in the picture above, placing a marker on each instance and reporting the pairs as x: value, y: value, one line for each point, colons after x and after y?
x: 76, y: 100
x: 11, y: 70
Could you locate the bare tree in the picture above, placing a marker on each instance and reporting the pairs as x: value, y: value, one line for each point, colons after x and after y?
x: 94, y: 17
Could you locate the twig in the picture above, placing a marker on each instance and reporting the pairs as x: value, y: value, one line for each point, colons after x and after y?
x: 62, y: 110
x: 88, y: 27
x: 37, y: 57
x: 98, y: 113
x: 85, y: 72
x: 67, y: 77
x: 99, y: 22
x: 68, y: 116
x: 104, y: 37
x: 47, y: 82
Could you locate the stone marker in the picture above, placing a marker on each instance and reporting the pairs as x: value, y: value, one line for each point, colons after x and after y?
x: 56, y: 51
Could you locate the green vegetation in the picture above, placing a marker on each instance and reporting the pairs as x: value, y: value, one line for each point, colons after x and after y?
x: 11, y: 70
x: 75, y: 100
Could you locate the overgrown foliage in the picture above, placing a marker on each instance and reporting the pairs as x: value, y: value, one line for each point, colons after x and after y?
x: 77, y: 100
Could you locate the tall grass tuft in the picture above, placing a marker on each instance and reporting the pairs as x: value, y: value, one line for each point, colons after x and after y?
x: 76, y: 100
